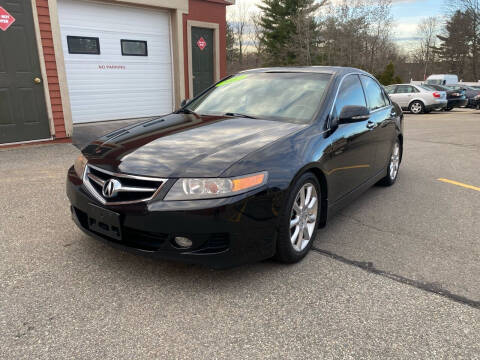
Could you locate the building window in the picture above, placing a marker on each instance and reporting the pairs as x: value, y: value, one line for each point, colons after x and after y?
x: 83, y: 45
x: 134, y: 48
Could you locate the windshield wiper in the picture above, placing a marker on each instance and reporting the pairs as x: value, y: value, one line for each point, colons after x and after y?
x: 187, y: 111
x: 239, y: 115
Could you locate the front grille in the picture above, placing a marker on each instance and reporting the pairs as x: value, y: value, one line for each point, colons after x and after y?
x: 128, y: 188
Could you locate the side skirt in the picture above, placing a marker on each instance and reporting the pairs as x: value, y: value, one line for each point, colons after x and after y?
x: 347, y: 199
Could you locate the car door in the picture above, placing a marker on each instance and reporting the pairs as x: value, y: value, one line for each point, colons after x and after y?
x: 382, y: 121
x: 351, y: 154
x: 404, y: 94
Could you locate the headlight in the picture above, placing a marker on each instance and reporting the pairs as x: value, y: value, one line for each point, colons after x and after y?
x: 79, y: 165
x: 207, y: 188
x: 477, y: 97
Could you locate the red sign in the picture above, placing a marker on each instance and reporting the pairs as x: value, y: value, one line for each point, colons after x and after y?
x: 201, y: 43
x: 5, y: 19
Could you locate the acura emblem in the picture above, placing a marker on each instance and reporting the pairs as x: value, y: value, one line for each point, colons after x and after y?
x: 111, y: 188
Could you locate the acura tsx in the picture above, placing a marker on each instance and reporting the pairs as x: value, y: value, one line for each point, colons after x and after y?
x: 247, y: 170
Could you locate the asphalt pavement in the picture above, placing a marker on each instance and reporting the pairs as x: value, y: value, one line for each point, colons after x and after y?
x: 394, y: 275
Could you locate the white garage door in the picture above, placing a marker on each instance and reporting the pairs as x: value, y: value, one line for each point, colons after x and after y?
x: 118, y: 60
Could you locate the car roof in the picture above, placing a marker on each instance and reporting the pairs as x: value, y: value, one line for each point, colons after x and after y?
x: 334, y: 70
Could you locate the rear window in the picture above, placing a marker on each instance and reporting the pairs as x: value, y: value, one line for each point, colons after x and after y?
x: 426, y: 88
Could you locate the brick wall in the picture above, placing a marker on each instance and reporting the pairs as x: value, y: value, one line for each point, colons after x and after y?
x: 51, y: 67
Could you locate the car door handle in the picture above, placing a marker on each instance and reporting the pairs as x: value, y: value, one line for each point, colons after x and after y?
x: 371, y: 125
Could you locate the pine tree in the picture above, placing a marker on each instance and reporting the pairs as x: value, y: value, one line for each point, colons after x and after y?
x: 388, y: 76
x: 290, y: 31
x: 455, y: 50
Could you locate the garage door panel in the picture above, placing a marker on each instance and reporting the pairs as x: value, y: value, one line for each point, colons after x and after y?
x: 110, y: 85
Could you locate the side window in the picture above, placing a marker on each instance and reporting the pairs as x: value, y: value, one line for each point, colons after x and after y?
x: 350, y: 93
x: 374, y: 94
x: 406, y: 89
x: 390, y: 89
x: 386, y: 97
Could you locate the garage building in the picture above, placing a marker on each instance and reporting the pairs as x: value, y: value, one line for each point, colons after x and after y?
x: 66, y: 62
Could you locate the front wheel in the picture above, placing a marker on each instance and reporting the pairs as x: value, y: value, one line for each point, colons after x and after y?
x: 393, y: 166
x: 299, y: 221
x: 416, y: 107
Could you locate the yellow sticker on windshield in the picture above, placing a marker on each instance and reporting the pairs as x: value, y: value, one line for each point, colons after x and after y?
x: 231, y: 80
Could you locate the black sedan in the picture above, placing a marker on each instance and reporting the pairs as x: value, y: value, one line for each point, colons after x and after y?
x: 247, y: 170
x: 456, y: 98
x: 472, y: 94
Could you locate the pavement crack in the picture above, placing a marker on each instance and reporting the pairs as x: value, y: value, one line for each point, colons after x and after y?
x: 433, y: 288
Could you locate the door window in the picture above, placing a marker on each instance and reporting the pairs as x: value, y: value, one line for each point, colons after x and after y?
x: 406, y: 89
x: 390, y: 89
x: 374, y: 94
x: 350, y: 94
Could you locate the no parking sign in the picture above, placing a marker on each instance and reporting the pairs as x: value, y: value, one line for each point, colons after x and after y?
x: 5, y: 19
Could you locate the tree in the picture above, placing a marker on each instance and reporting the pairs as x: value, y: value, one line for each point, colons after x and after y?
x: 232, y: 52
x: 357, y: 33
x: 471, y: 9
x: 239, y: 21
x: 289, y: 30
x: 427, y: 31
x: 387, y: 77
x: 456, y: 42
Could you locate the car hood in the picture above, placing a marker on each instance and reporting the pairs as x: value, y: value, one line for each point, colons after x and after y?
x: 181, y: 145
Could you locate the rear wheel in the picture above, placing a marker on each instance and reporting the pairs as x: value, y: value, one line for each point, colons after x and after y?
x: 393, y: 166
x: 416, y: 107
x: 299, y: 221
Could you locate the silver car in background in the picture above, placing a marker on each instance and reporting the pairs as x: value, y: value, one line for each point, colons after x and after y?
x: 416, y: 98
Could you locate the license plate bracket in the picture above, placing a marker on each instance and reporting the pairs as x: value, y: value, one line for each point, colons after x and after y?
x: 105, y: 222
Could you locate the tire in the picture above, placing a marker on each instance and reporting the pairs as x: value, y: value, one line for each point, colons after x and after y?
x: 416, y: 107
x: 448, y: 109
x: 291, y: 249
x: 393, y: 165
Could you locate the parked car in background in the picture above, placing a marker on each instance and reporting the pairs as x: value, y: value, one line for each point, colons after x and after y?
x: 417, y: 99
x: 247, y: 170
x: 455, y: 98
x: 472, y: 94
x: 442, y: 79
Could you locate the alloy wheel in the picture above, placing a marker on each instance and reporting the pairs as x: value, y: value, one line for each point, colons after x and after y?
x: 303, y: 217
x: 416, y: 108
x: 394, y: 161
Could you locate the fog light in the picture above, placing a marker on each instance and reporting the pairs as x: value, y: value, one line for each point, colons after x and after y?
x: 183, y: 242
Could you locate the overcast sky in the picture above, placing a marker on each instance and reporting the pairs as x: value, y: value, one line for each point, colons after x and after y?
x: 407, y: 15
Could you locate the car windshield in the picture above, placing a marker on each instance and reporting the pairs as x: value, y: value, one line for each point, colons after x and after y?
x: 289, y: 97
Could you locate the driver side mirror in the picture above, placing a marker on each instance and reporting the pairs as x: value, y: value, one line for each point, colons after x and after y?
x: 352, y: 114
x: 183, y: 103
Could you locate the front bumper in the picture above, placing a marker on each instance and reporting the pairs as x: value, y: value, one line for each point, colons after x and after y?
x: 225, y: 232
